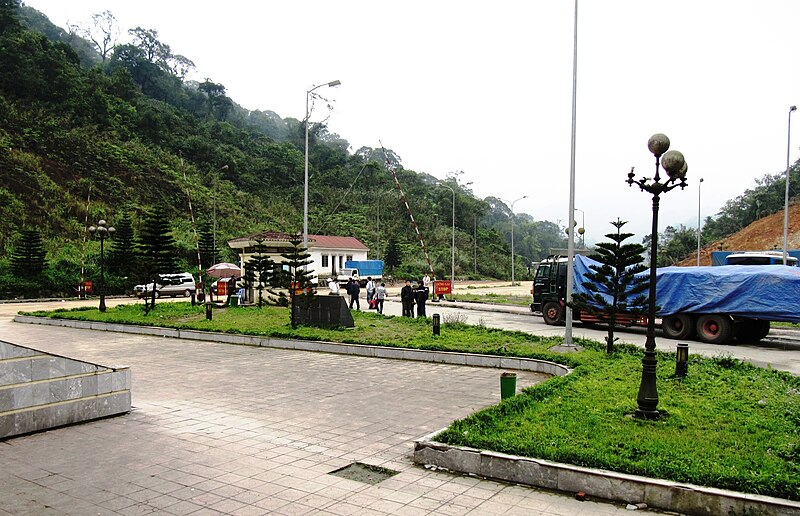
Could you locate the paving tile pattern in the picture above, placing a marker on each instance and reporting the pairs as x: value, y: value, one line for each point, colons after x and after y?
x: 223, y: 429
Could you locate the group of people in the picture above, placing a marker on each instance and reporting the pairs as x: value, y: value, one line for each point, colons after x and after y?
x: 410, y: 296
x: 376, y: 294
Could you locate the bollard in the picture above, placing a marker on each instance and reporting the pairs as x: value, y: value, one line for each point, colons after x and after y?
x: 508, y: 385
x: 209, y: 315
x: 194, y: 299
x: 682, y: 360
x: 436, y: 324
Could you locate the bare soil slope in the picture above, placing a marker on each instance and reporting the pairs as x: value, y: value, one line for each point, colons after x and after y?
x: 762, y: 235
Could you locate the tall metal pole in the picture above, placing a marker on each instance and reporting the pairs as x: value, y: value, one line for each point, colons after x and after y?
x: 305, y: 174
x: 786, y: 206
x: 571, y: 240
x: 512, y: 238
x: 698, y: 221
x: 453, y: 245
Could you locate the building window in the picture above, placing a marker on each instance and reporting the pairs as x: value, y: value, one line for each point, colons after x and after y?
x: 341, y: 262
x: 349, y: 257
x: 324, y: 260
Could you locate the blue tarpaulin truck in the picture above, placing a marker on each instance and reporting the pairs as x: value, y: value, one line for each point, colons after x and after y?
x: 712, y: 304
x: 360, y: 270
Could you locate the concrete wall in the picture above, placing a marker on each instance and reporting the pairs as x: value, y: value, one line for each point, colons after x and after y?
x: 39, y: 391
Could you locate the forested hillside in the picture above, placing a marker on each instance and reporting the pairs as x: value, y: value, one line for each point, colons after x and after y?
x: 114, y: 132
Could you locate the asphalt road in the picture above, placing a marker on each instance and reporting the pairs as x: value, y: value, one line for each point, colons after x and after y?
x: 780, y: 350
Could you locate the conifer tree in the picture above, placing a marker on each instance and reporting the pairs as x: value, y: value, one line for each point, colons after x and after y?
x: 122, y: 255
x: 28, y: 258
x: 614, y: 286
x: 156, y: 248
x: 391, y: 257
x: 301, y: 288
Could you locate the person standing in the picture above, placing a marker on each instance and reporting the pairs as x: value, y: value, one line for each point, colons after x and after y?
x: 380, y: 296
x: 354, y: 289
x: 370, y: 289
x: 421, y: 296
x: 407, y: 299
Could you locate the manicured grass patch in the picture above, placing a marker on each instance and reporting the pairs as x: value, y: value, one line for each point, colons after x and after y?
x: 494, y: 299
x: 728, y: 424
x: 371, y: 329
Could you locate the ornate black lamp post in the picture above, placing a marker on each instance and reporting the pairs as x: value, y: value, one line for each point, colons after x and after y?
x: 675, y: 167
x: 102, y: 231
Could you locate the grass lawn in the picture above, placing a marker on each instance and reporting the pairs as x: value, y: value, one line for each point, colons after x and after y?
x: 728, y: 424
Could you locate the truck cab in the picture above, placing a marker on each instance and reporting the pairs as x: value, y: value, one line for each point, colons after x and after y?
x: 549, y: 287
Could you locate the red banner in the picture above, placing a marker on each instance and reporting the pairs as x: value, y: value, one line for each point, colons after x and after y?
x: 442, y: 287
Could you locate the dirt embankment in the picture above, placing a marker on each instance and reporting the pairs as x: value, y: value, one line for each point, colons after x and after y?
x: 762, y: 235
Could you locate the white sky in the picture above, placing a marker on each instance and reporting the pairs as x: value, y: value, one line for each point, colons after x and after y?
x: 485, y: 87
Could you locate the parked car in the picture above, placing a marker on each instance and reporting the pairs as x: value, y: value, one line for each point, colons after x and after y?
x: 172, y: 285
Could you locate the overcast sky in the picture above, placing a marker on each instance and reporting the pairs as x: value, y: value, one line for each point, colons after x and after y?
x: 485, y: 87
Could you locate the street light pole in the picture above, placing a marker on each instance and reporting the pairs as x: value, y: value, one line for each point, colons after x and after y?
x: 675, y: 166
x: 305, y: 175
x: 102, y: 231
x: 453, y: 243
x: 698, y: 221
x: 512, y: 237
x: 786, y: 206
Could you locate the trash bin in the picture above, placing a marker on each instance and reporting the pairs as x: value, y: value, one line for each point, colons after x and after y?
x: 234, y: 300
x: 508, y: 385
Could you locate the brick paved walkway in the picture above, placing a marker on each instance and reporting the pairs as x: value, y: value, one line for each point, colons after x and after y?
x: 238, y: 430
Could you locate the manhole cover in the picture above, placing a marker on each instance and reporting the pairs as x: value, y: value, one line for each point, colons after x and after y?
x: 364, y: 473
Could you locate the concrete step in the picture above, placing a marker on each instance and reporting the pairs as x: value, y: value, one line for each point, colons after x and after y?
x: 40, y: 391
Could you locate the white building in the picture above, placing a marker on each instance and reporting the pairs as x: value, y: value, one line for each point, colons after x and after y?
x: 328, y: 253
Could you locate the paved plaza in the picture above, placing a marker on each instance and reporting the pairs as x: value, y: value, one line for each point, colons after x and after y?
x: 219, y: 428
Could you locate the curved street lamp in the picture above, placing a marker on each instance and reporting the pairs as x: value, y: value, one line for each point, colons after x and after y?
x: 512, y: 237
x: 786, y: 206
x: 675, y: 166
x: 453, y: 243
x: 305, y: 176
x: 102, y: 231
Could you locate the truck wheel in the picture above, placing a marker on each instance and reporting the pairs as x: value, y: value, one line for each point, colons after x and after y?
x: 715, y: 328
x: 751, y: 330
x: 157, y: 294
x: 187, y: 293
x: 678, y: 326
x: 552, y: 313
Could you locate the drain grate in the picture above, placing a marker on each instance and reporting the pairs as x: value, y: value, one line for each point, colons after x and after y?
x: 364, y: 473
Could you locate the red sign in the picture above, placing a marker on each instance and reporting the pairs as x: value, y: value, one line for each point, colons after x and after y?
x: 86, y: 287
x: 442, y: 287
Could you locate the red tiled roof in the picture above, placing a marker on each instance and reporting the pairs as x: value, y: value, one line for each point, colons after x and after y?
x: 326, y: 241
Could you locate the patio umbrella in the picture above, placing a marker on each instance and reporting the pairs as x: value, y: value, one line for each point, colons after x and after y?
x: 224, y: 270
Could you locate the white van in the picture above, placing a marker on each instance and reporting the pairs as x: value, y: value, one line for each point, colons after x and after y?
x: 181, y: 284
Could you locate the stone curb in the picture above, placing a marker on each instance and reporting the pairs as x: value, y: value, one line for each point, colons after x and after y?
x: 609, y: 485
x: 420, y: 355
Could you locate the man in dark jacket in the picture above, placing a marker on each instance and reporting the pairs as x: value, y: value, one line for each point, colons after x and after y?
x: 420, y: 296
x: 354, y: 289
x: 407, y: 298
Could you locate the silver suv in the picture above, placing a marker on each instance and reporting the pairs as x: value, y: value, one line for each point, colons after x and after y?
x: 172, y: 285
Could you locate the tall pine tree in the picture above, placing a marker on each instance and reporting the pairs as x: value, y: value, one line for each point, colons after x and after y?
x: 122, y: 255
x: 28, y: 258
x: 156, y: 248
x: 614, y: 287
x: 301, y: 287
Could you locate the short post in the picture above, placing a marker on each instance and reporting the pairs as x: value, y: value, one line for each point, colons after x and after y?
x: 436, y: 324
x: 508, y: 385
x: 194, y: 299
x: 682, y: 360
x: 209, y: 315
